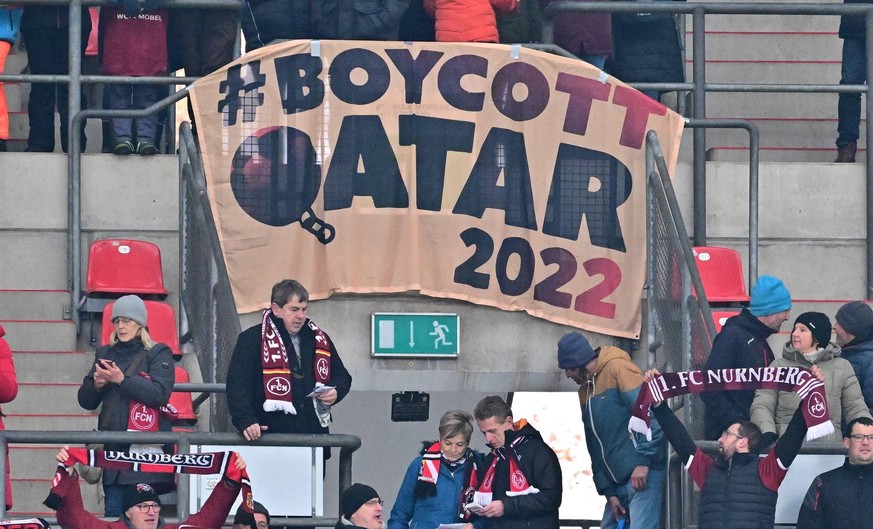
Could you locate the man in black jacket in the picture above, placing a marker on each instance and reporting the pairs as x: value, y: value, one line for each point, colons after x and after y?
x: 278, y: 363
x: 742, y: 342
x: 841, y: 497
x: 520, y: 481
x: 738, y: 489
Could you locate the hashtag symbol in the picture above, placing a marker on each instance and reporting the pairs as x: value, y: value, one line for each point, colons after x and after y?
x: 241, y: 95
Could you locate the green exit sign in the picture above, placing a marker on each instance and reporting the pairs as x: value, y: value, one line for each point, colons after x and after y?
x: 415, y: 334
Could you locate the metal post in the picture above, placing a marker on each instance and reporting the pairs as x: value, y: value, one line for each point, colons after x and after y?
x: 74, y: 158
x: 869, y: 168
x: 698, y: 22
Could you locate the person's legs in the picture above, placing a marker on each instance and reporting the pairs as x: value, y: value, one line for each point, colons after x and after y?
x: 143, y: 97
x: 645, y: 505
x: 42, y: 49
x: 113, y: 499
x: 854, y: 71
x: 119, y: 96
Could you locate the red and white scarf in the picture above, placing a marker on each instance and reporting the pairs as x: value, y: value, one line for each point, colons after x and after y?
x: 518, y: 483
x: 276, y: 370
x: 29, y: 523
x: 812, y: 392
x: 431, y: 461
x: 203, y: 463
x: 144, y: 418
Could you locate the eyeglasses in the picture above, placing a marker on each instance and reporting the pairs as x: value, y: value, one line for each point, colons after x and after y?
x: 146, y: 507
x: 373, y: 503
x: 737, y: 435
x: 858, y: 438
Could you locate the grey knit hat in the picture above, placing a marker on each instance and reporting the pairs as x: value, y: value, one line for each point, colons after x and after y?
x: 856, y: 318
x: 132, y: 308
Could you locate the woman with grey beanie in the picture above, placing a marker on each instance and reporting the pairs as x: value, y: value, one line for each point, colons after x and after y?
x: 132, y: 378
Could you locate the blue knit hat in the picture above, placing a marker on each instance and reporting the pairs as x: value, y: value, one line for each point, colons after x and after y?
x: 769, y: 296
x: 574, y: 351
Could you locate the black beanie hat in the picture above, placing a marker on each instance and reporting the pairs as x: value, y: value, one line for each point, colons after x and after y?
x: 819, y: 324
x: 139, y: 493
x: 247, y: 518
x: 355, y: 496
x: 856, y: 318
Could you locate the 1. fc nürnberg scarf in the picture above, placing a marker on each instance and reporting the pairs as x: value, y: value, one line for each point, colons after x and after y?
x: 203, y: 463
x: 798, y: 380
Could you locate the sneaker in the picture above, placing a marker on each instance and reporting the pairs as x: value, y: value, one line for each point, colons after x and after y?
x: 146, y: 148
x: 123, y: 148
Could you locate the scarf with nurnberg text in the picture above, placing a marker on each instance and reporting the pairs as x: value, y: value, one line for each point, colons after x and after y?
x: 276, y: 370
x: 425, y: 485
x: 811, y: 391
x: 201, y: 463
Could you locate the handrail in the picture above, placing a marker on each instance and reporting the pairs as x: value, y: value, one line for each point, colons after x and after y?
x: 347, y: 444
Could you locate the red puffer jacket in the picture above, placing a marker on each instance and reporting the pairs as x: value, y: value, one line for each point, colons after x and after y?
x: 468, y: 20
x: 8, y: 392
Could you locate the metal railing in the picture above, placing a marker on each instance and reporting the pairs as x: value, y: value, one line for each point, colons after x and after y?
x: 183, y: 441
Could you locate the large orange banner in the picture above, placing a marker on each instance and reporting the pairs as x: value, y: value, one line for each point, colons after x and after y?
x: 482, y: 172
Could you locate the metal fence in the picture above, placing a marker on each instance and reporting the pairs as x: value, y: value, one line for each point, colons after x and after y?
x: 347, y: 444
x: 206, y: 296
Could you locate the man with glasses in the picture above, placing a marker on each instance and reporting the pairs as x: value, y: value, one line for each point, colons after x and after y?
x: 738, y: 489
x: 258, y: 519
x: 362, y: 508
x: 140, y: 503
x: 842, y: 496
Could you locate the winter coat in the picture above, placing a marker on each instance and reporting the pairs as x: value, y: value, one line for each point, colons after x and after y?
x: 416, y: 25
x: 646, y: 49
x: 133, y: 45
x: 607, y: 398
x: 157, y: 362
x: 8, y: 392
x: 839, y: 498
x: 742, y: 342
x: 523, y: 26
x: 359, y: 19
x: 264, y: 21
x: 468, y: 20
x: 539, y: 464
x: 860, y: 355
x: 853, y: 26
x: 772, y: 409
x: 583, y: 33
x: 245, y: 383
x: 428, y: 512
x: 10, y: 22
x: 71, y: 512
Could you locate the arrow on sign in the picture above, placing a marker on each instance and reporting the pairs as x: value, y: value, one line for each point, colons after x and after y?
x: 411, y: 335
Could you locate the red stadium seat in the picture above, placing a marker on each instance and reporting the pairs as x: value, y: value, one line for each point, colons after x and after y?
x: 124, y: 266
x: 719, y: 317
x: 721, y: 272
x: 181, y: 400
x: 161, y: 324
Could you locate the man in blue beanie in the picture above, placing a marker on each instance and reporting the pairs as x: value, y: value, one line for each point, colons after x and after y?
x: 628, y: 471
x: 742, y: 342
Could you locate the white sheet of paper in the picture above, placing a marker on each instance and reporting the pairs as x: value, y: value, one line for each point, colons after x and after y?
x: 317, y: 390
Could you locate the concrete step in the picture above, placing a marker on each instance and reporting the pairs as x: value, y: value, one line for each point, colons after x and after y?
x: 32, y: 462
x: 19, y: 125
x: 782, y: 133
x: 777, y: 154
x: 52, y: 366
x: 779, y: 46
x: 783, y: 105
x: 771, y: 72
x: 16, y: 98
x: 770, y: 23
x: 40, y: 335
x: 33, y: 304
x: 39, y: 398
x: 47, y: 422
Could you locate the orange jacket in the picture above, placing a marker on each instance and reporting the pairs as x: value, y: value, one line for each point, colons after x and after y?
x: 468, y: 20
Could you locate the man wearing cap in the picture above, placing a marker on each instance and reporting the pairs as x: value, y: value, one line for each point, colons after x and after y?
x: 742, y: 342
x: 278, y: 365
x: 362, y: 508
x: 258, y: 519
x: 141, y: 505
x: 628, y: 471
x: 854, y: 333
